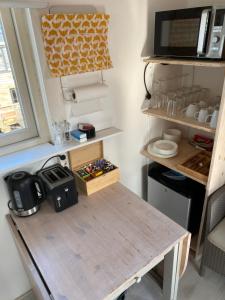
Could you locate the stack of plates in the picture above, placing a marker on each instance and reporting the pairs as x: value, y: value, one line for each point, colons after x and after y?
x: 163, y: 148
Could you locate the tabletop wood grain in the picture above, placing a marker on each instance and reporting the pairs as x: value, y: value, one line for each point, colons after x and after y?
x: 99, y: 246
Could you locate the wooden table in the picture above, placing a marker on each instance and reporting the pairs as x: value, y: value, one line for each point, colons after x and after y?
x: 98, y: 248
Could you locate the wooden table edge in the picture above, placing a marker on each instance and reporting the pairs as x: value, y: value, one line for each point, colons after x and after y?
x: 39, y: 288
x: 183, y: 241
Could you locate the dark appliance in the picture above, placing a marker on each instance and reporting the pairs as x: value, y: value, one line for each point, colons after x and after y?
x: 26, y: 193
x: 193, y: 32
x: 178, y: 197
x: 60, y: 186
x: 122, y: 296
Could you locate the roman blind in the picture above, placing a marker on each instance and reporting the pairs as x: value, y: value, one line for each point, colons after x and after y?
x: 76, y: 43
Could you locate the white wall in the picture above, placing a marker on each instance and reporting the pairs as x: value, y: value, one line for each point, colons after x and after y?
x: 131, y: 37
x: 13, y: 280
x: 131, y: 30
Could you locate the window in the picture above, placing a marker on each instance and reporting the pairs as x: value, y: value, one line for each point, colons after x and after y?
x: 13, y: 95
x: 17, y: 121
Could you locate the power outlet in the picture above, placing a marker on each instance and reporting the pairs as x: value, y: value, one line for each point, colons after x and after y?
x: 68, y: 94
x: 65, y: 162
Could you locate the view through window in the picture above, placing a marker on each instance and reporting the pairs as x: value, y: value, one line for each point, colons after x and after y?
x: 11, y: 116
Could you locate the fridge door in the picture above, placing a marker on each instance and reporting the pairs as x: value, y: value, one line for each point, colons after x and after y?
x: 174, y: 205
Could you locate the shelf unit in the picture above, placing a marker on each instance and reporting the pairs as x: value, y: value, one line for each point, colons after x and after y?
x: 179, y: 119
x: 216, y: 177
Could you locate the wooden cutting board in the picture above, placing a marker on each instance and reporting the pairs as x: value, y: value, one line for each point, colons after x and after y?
x: 197, y: 166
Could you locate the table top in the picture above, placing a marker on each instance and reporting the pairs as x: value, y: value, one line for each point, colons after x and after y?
x: 99, y: 246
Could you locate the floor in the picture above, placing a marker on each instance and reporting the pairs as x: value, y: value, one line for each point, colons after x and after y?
x: 191, y: 287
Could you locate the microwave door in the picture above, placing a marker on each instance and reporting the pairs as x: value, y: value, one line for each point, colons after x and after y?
x: 183, y: 32
x: 204, y: 32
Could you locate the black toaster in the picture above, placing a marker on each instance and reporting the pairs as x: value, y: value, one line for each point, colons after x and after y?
x: 60, y: 186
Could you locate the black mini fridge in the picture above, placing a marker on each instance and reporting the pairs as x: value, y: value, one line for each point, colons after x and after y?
x: 177, y: 196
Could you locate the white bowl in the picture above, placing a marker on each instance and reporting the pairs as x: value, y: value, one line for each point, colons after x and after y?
x: 165, y: 147
x: 172, y: 135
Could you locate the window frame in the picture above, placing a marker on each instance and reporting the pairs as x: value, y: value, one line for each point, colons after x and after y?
x: 30, y: 130
x: 25, y: 46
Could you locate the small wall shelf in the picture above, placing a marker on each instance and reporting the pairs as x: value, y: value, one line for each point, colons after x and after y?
x: 185, y: 62
x: 185, y: 152
x: 20, y: 159
x: 179, y: 120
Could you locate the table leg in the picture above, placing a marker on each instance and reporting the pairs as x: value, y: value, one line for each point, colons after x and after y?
x: 171, y: 274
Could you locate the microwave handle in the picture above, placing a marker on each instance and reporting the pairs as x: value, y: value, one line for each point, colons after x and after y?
x: 203, y: 31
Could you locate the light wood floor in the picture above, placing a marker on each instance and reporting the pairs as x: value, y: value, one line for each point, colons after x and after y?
x: 192, y: 287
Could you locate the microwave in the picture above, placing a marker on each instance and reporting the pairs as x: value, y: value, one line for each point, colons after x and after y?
x: 192, y: 33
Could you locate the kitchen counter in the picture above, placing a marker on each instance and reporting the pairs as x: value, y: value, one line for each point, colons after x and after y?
x: 98, y: 248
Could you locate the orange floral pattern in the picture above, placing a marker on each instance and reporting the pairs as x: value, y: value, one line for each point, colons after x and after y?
x: 76, y: 43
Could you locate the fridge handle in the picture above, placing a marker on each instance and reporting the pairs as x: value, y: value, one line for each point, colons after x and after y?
x: 203, y: 31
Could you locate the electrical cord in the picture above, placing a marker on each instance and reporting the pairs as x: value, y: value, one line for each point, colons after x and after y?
x: 148, y: 94
x: 62, y: 157
x: 10, y: 208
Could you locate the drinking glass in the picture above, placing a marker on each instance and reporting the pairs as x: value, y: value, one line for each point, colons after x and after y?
x: 155, y: 94
x: 195, y: 93
x: 186, y: 93
x: 217, y: 102
x: 171, y: 95
x: 181, y: 102
x: 66, y: 131
x: 163, y: 83
x: 58, y: 133
x: 204, y: 94
x: 164, y: 101
x: 158, y: 97
x: 171, y: 104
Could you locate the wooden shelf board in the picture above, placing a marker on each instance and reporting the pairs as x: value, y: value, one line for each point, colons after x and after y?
x: 185, y: 152
x: 180, y: 119
x: 186, y: 62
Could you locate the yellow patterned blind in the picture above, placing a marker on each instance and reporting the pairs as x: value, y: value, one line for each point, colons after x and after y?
x: 76, y: 43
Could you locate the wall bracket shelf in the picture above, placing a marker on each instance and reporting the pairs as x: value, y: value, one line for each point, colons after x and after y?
x: 185, y: 62
x: 182, y: 120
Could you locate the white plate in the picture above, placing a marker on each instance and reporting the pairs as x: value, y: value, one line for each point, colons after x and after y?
x: 172, y: 135
x: 152, y: 152
x: 165, y: 147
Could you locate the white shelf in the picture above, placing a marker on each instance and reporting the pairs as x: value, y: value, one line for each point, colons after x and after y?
x: 186, y: 62
x: 13, y: 161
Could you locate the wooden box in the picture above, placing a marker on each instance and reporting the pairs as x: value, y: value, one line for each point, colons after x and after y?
x: 87, y: 154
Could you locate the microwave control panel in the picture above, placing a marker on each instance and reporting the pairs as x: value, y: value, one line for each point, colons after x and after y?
x: 217, y: 40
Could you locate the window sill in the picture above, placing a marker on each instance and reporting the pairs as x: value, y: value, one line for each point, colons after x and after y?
x: 10, y: 162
